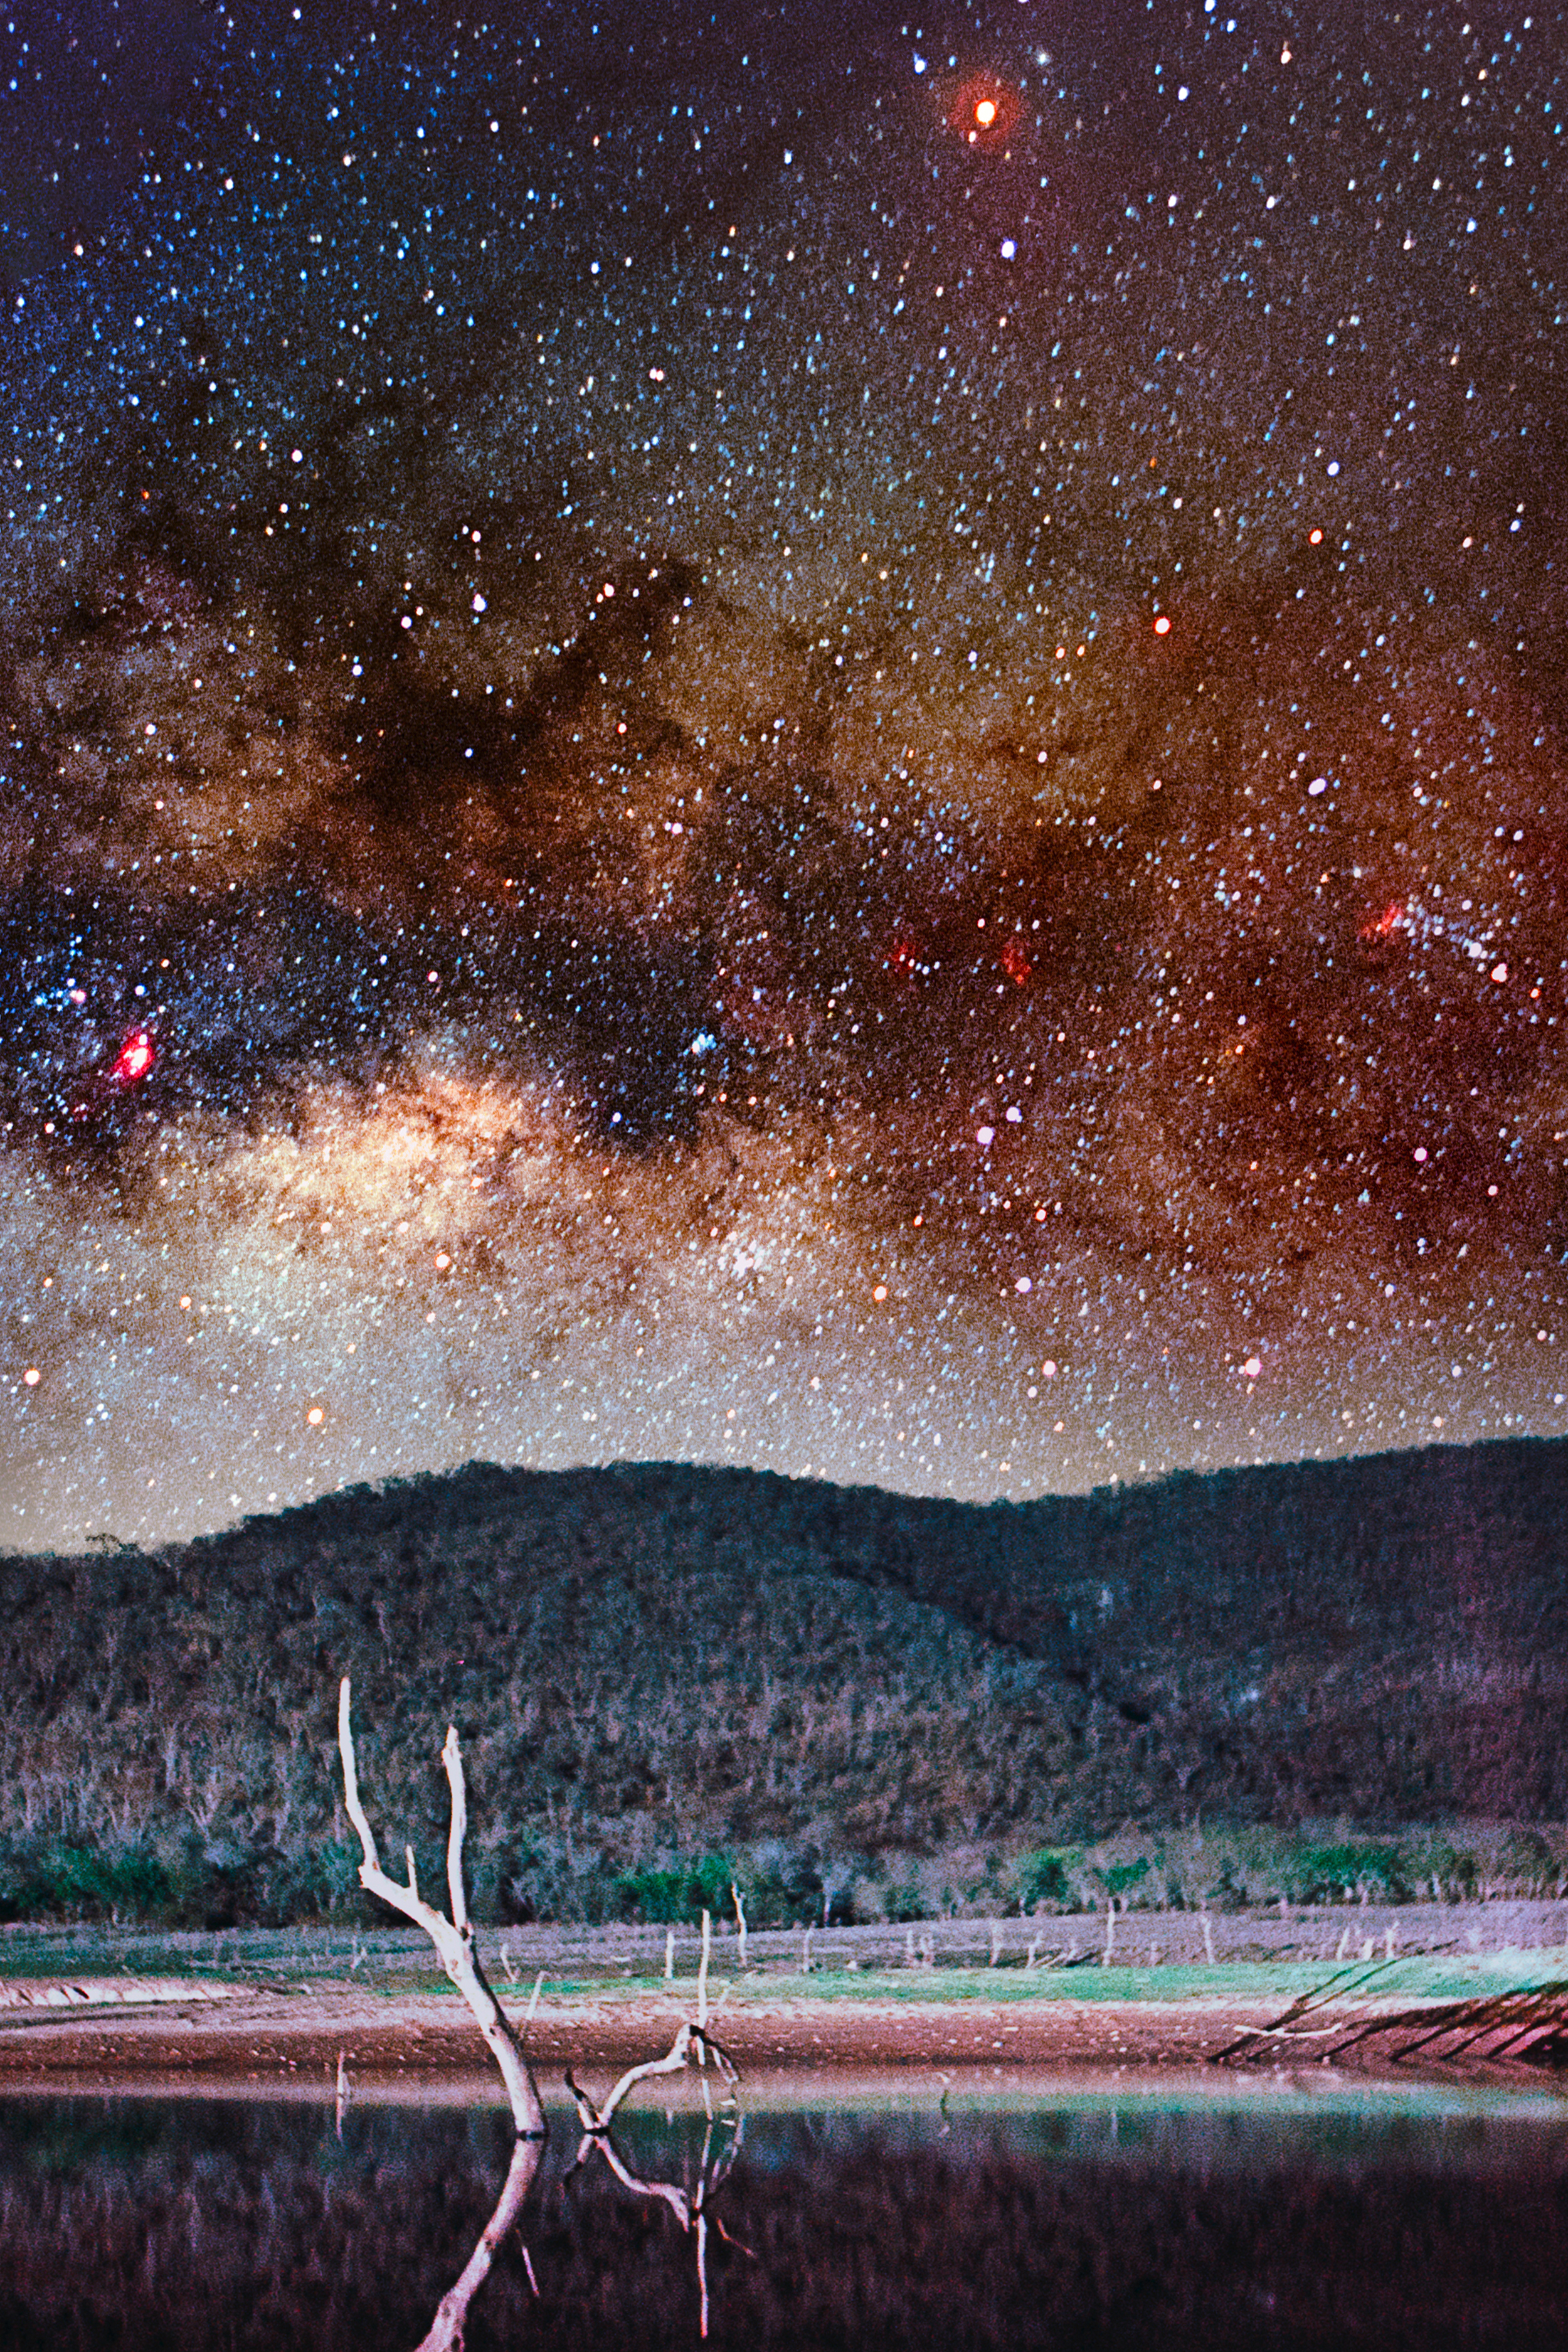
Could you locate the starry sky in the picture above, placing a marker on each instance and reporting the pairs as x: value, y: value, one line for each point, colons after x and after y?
x: 808, y: 735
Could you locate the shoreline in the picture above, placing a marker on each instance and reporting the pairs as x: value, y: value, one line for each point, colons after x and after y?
x: 424, y: 2045
x: 1474, y: 1993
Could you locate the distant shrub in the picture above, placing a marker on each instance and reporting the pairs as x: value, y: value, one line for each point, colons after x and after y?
x: 1458, y: 1872
x: 676, y: 1897
x: 1046, y: 1877
x: 1526, y: 1860
x: 1118, y: 1877
x: 1327, y: 1873
x: 778, y: 1885
x: 52, y: 1879
x: 319, y: 1883
x: 781, y: 1886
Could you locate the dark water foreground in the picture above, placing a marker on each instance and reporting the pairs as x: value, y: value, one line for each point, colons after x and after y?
x: 1163, y: 2220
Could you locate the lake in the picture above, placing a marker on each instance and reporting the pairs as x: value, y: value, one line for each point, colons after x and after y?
x: 1193, y: 2211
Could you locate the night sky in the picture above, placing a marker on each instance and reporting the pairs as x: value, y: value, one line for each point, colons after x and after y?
x: 808, y: 736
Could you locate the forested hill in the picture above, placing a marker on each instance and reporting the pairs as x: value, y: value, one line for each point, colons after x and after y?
x: 664, y: 1659
x: 1413, y: 1559
x: 1440, y: 1519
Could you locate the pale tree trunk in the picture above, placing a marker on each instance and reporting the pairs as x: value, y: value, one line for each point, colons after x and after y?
x: 454, y: 1939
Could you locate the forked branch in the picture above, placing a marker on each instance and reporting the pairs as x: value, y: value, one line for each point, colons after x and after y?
x: 454, y: 1939
x: 674, y: 2062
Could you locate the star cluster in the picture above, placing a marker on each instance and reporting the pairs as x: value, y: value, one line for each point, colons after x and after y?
x: 827, y: 740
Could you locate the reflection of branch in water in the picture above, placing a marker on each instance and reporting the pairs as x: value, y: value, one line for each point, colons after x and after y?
x: 446, y: 2328
x: 454, y: 1939
x: 690, y: 2209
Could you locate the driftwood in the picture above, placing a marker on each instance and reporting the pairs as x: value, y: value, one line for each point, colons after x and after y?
x: 690, y: 2207
x: 1521, y: 2024
x: 454, y: 1939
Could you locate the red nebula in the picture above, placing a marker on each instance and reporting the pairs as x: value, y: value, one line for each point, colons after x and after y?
x: 136, y: 1058
x: 1383, y: 925
x: 1016, y: 962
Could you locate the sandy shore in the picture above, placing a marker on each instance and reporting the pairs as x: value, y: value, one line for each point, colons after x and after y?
x: 250, y: 2039
x: 425, y: 2044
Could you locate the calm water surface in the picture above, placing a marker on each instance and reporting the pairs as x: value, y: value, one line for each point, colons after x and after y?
x: 1170, y: 2218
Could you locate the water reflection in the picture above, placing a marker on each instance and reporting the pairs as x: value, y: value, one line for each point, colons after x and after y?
x: 195, y: 2224
x: 694, y: 2199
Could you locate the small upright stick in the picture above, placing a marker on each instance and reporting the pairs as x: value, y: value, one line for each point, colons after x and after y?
x: 995, y: 1944
x: 669, y: 1954
x: 739, y: 1903
x: 702, y: 1971
x: 343, y: 2089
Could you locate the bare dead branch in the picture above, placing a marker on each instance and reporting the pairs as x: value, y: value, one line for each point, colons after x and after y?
x: 672, y: 2062
x: 718, y: 2053
x: 356, y: 1810
x: 702, y: 1971
x: 452, y: 1757
x: 453, y: 1938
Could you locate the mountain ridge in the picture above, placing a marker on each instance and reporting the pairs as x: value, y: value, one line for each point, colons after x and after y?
x: 662, y: 1659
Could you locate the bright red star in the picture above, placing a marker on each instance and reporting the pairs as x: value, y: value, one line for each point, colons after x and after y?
x: 984, y: 108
